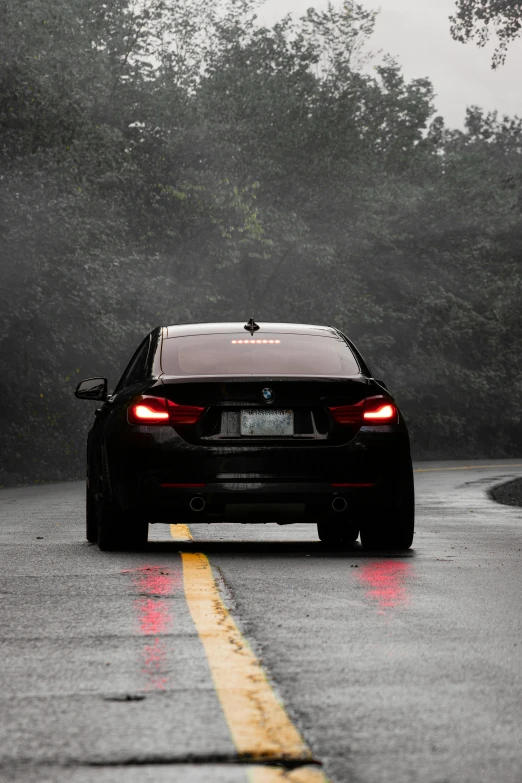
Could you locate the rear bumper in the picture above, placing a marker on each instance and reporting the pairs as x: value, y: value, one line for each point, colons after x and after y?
x: 252, y: 484
x: 283, y: 502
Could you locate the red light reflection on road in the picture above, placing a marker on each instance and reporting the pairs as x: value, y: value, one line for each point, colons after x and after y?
x: 387, y: 580
x: 155, y: 585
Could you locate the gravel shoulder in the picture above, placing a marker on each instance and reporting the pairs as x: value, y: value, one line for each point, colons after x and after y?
x: 509, y: 494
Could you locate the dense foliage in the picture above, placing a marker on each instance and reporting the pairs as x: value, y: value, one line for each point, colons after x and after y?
x: 477, y: 19
x: 168, y: 162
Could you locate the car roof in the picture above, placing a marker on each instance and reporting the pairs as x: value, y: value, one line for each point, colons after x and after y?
x: 238, y: 327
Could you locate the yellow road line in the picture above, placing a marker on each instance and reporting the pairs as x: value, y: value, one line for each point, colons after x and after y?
x: 260, y: 728
x: 279, y: 775
x: 467, y: 467
x: 181, y: 533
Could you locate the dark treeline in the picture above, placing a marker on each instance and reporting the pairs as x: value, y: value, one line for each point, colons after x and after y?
x: 166, y: 162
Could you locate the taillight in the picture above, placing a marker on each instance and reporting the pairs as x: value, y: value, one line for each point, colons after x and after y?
x: 148, y: 410
x: 157, y: 410
x: 184, y: 414
x: 348, y: 414
x: 379, y: 410
x: 373, y: 410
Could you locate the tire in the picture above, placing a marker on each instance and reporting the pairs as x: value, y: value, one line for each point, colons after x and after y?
x: 337, y: 533
x: 394, y: 530
x: 119, y: 531
x: 91, y: 518
x: 137, y: 532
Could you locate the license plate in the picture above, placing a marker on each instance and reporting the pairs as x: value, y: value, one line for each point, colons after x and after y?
x: 267, y: 423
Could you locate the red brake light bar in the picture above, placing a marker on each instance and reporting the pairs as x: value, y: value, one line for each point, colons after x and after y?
x: 158, y: 410
x: 373, y: 410
x: 255, y: 342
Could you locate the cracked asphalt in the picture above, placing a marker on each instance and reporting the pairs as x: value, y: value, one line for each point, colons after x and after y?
x: 393, y: 668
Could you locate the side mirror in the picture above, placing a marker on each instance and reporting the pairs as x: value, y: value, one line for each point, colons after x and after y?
x: 92, y: 389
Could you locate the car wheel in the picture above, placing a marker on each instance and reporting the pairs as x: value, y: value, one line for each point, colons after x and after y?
x: 91, y: 518
x: 137, y: 532
x: 337, y: 533
x: 393, y: 530
x: 118, y: 530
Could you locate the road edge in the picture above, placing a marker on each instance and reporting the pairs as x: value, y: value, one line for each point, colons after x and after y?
x: 509, y: 493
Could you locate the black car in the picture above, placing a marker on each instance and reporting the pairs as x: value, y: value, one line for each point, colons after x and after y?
x: 233, y: 422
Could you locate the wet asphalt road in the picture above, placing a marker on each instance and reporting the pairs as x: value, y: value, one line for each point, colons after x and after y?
x: 395, y: 669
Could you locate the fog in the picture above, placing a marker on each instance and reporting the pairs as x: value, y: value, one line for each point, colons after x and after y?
x: 182, y: 165
x: 417, y: 33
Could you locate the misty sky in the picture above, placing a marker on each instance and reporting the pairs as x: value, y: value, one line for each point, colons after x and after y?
x: 417, y: 33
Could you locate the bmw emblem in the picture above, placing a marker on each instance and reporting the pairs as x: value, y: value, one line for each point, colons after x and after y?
x: 267, y: 394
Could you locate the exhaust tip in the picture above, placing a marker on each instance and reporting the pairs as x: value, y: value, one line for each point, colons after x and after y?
x: 339, y: 504
x: 197, y: 504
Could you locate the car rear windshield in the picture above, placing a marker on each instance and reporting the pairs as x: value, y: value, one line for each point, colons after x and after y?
x: 266, y: 354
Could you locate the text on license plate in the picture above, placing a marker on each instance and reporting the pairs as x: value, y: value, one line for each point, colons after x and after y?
x: 263, y: 423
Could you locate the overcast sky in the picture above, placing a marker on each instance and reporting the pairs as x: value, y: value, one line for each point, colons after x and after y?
x: 416, y: 32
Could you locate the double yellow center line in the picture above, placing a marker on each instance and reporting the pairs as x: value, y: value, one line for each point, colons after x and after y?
x: 259, y: 724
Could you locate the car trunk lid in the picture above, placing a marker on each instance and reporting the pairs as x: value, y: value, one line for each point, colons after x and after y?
x: 229, y: 402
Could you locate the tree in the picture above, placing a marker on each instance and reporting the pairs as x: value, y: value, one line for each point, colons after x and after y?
x: 476, y: 19
x: 171, y: 161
